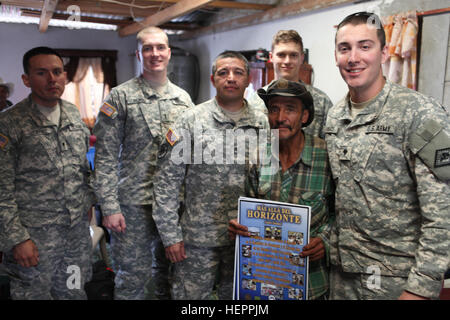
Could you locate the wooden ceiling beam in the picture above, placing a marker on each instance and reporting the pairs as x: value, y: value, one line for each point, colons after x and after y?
x: 118, y: 22
x: 179, y: 9
x: 230, y: 5
x: 46, y: 14
x: 279, y: 12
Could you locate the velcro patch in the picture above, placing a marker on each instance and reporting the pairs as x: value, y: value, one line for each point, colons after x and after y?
x: 108, y: 109
x: 3, y: 141
x: 442, y: 158
x: 171, y: 137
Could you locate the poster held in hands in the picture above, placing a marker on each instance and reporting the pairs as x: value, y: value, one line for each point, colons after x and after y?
x: 268, y: 265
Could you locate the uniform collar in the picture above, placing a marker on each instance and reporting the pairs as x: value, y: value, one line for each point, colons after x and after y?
x: 66, y: 118
x: 248, y: 119
x: 149, y: 92
x: 370, y: 112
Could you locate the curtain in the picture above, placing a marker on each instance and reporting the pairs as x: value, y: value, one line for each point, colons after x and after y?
x: 86, y: 86
x: 401, y: 38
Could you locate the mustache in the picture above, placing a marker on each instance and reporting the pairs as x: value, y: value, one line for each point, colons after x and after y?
x: 281, y: 125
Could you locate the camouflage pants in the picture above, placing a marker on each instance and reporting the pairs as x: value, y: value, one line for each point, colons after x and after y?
x: 360, y: 286
x: 138, y: 256
x: 194, y: 277
x: 64, y: 258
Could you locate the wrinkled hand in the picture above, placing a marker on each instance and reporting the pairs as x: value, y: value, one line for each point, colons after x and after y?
x: 235, y: 228
x: 315, y: 249
x: 175, y: 253
x: 115, y: 222
x: 26, y: 254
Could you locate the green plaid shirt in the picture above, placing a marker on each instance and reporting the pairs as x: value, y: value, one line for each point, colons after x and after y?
x: 307, y: 182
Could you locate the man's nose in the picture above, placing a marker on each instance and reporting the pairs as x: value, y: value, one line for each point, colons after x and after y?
x: 52, y: 77
x: 281, y: 117
x: 231, y: 77
x: 353, y: 56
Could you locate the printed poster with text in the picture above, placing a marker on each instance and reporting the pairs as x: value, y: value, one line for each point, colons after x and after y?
x: 268, y: 265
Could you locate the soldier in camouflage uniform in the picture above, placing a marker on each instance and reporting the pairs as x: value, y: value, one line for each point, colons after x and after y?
x: 198, y: 243
x: 389, y: 152
x: 44, y: 187
x: 130, y: 128
x: 287, y: 57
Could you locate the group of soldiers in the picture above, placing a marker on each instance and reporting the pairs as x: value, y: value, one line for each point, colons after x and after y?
x: 374, y: 168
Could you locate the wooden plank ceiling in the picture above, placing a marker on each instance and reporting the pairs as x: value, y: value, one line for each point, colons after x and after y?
x: 193, y: 17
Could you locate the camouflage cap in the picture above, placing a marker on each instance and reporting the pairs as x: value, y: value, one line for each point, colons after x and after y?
x: 286, y: 88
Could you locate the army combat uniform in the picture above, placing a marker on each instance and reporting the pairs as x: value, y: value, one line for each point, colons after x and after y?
x: 213, y: 187
x: 45, y: 196
x: 130, y: 127
x: 322, y: 104
x: 391, y: 165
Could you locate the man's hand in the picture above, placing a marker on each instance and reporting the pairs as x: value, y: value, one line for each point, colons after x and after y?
x: 115, y: 222
x: 175, y: 253
x: 26, y: 254
x: 235, y: 228
x: 315, y: 249
x: 410, y: 296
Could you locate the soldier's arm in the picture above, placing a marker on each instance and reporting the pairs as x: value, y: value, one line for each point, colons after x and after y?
x: 251, y: 187
x: 431, y: 168
x: 109, y: 132
x: 11, y: 229
x: 168, y: 180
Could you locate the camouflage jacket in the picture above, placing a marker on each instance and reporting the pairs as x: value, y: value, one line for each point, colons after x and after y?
x: 213, y: 181
x: 322, y: 104
x: 130, y: 127
x: 44, y: 176
x: 391, y: 166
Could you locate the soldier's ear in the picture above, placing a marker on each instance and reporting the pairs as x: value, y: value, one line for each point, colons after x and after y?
x: 26, y: 80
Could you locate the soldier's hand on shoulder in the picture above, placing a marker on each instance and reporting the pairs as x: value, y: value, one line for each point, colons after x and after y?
x: 26, y: 254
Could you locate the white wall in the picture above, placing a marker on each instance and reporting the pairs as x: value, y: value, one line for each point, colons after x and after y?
x: 16, y: 39
x: 317, y: 30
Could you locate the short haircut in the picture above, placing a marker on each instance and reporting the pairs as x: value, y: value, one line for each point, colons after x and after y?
x: 364, y: 17
x: 35, y: 52
x: 287, y: 36
x: 150, y: 30
x: 231, y: 54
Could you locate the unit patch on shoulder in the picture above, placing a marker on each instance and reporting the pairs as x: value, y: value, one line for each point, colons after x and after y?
x: 3, y: 141
x: 108, y: 109
x: 442, y: 158
x: 171, y: 137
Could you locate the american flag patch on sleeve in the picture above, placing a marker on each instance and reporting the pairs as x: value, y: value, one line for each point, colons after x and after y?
x: 3, y: 141
x: 108, y: 109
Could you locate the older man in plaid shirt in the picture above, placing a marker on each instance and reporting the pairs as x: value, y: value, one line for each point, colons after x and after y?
x: 303, y: 176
